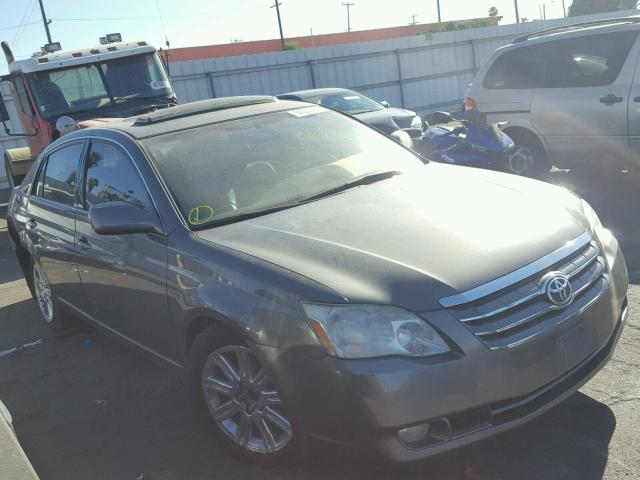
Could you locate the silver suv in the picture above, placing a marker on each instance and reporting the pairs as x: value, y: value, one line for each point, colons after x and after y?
x: 571, y: 95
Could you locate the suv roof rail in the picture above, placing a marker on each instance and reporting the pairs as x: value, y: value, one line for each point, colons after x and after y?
x: 202, y: 106
x: 573, y: 26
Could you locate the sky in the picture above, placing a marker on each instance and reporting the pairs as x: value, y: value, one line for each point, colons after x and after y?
x: 78, y: 24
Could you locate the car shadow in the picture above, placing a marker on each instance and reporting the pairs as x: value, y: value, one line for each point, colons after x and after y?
x: 614, y: 196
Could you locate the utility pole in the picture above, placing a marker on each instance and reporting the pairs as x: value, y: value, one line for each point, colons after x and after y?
x: 348, y: 5
x: 413, y: 20
x: 46, y: 22
x: 277, y: 7
x: 439, y: 16
x: 544, y: 11
x: 564, y: 9
x: 515, y: 4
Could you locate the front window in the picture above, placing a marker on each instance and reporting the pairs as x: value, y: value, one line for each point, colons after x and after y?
x: 99, y: 85
x: 351, y: 103
x: 226, y: 172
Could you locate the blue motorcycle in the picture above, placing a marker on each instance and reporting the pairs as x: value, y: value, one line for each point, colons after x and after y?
x: 470, y: 142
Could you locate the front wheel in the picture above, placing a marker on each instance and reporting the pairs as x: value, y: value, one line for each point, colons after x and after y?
x: 240, y: 400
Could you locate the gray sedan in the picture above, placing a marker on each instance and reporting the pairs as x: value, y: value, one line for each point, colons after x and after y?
x: 315, y: 281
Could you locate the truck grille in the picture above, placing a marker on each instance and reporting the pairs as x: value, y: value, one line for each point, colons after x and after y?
x: 521, y: 311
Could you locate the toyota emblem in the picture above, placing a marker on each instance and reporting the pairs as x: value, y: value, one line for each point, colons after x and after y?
x: 558, y: 289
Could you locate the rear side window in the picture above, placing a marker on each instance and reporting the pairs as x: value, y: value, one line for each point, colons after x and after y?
x: 60, y: 172
x: 520, y: 68
x: 590, y: 60
x: 112, y: 178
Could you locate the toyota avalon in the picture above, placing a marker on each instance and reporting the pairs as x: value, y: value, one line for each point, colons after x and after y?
x: 315, y: 281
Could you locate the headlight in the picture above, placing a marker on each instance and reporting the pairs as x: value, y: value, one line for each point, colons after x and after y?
x: 362, y: 331
x: 592, y: 216
x: 416, y: 122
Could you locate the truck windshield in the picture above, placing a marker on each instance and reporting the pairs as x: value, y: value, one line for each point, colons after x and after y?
x: 99, y: 85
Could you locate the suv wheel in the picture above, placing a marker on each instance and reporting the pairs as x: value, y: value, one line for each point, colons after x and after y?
x: 237, y: 395
x: 528, y: 157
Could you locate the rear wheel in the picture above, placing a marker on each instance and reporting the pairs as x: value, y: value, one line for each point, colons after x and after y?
x: 240, y: 400
x: 528, y: 157
x: 45, y: 298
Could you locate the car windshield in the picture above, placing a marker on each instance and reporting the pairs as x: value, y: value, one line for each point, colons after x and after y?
x: 99, y: 85
x: 218, y: 173
x: 348, y: 102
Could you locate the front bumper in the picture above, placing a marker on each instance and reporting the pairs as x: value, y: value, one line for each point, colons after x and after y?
x: 471, y: 394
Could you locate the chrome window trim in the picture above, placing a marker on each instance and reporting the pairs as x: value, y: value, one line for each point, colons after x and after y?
x: 516, y: 276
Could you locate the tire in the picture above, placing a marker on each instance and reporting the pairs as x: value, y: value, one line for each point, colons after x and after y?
x: 231, y: 407
x: 47, y: 302
x: 528, y: 158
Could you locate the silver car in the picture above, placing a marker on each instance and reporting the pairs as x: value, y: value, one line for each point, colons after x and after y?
x: 570, y: 94
x: 315, y: 281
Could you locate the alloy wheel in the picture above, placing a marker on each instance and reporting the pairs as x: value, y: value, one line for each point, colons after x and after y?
x: 243, y: 401
x: 521, y: 161
x: 43, y: 293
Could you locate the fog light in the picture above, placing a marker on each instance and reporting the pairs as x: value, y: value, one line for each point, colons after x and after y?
x: 413, y: 434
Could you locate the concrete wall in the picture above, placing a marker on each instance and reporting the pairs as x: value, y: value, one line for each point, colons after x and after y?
x: 418, y: 72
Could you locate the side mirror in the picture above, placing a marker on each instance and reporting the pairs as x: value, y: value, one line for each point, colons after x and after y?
x: 4, y: 115
x: 121, y: 218
x: 385, y: 104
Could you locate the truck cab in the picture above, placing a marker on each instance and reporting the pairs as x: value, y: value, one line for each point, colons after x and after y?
x: 58, y: 91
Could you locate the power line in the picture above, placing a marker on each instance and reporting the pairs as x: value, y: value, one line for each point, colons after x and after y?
x: 11, y: 27
x: 24, y: 19
x: 101, y: 19
x: 20, y: 32
x: 348, y: 5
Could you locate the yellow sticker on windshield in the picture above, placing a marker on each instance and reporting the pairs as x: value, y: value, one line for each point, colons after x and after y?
x: 200, y: 215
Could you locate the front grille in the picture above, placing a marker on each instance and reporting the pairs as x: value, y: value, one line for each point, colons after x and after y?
x: 517, y: 313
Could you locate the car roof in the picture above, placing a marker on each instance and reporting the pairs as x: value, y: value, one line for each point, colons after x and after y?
x: 314, y: 92
x: 195, y: 114
x: 597, y: 26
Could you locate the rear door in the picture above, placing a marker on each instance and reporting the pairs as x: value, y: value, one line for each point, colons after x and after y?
x: 51, y: 221
x: 581, y: 109
x: 123, y: 276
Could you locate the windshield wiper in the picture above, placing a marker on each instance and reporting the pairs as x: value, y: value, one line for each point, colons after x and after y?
x: 245, y: 216
x: 366, y: 180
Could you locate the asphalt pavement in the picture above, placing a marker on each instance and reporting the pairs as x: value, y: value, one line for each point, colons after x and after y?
x: 87, y: 407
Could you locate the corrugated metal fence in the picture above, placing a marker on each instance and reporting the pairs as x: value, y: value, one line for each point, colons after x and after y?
x: 422, y: 73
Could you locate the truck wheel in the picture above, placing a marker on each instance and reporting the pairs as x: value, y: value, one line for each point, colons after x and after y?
x: 528, y: 157
x: 235, y: 393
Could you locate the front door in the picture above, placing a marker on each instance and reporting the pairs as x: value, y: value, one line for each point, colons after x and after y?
x: 51, y: 221
x: 581, y: 107
x: 123, y: 276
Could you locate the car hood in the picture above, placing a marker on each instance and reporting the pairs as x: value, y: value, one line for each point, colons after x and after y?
x: 388, y: 120
x: 415, y: 238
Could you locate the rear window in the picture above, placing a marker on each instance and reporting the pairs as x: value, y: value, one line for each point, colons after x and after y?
x: 590, y: 60
x: 519, y: 68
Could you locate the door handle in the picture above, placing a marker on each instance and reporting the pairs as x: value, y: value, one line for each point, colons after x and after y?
x: 31, y: 224
x: 636, y: 99
x: 611, y: 99
x: 83, y: 243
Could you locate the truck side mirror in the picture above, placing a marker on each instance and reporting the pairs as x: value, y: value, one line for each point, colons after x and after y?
x: 4, y: 115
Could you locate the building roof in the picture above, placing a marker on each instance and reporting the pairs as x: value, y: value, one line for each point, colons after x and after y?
x: 80, y: 56
x: 264, y: 46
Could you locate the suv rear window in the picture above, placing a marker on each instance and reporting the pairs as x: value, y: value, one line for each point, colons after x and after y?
x: 518, y: 69
x: 589, y: 60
